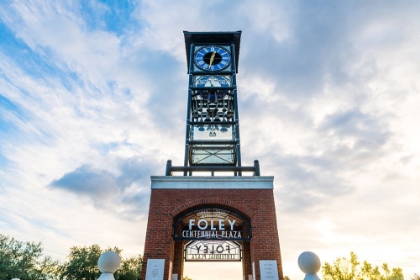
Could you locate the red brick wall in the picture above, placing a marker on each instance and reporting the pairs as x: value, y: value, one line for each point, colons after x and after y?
x: 257, y: 204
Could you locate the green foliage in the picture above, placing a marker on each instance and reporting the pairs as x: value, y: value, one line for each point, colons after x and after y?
x: 286, y: 278
x: 82, y: 264
x: 342, y: 269
x: 23, y: 260
x: 350, y: 269
x: 130, y: 269
x: 416, y: 277
x: 186, y: 278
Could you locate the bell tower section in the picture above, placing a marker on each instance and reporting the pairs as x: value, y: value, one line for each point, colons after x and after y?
x: 229, y: 214
x: 212, y: 132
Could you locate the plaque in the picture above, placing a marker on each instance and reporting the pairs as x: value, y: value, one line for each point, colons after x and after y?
x: 155, y: 269
x: 268, y: 270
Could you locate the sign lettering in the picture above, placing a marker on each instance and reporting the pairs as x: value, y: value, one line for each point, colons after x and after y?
x: 212, y: 223
x: 203, y: 250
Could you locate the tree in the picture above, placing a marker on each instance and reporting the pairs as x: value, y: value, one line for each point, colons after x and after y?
x: 130, y: 269
x: 186, y: 278
x: 344, y: 269
x: 416, y: 277
x: 82, y: 264
x: 24, y: 260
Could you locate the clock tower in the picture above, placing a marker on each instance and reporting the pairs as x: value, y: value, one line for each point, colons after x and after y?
x: 212, y: 133
x: 227, y: 216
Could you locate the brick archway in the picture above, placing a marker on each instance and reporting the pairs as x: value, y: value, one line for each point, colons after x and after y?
x: 174, y: 196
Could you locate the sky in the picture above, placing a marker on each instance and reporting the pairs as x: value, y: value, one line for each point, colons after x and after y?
x: 93, y: 101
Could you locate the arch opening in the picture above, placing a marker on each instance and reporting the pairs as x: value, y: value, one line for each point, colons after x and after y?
x: 213, y: 271
x: 212, y: 242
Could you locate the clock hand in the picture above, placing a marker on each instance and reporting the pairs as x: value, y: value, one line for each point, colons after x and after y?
x: 212, y: 58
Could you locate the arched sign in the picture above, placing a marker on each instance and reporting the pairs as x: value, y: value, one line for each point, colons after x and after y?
x: 212, y: 223
x: 212, y: 250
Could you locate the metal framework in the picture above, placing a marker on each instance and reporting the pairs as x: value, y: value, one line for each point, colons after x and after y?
x: 212, y: 140
x: 212, y: 168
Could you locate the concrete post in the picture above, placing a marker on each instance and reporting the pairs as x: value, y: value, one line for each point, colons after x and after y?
x: 108, y: 263
x: 310, y: 264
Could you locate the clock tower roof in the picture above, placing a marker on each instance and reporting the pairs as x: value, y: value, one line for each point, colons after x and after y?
x: 222, y: 37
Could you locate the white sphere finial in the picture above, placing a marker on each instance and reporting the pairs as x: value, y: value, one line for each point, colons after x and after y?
x: 310, y: 264
x: 109, y: 262
x: 15, y: 279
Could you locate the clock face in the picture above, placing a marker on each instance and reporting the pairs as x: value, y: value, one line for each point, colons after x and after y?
x: 212, y: 58
x: 212, y: 81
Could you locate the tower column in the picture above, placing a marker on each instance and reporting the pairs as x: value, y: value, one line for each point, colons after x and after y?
x: 246, y: 260
x: 178, y: 263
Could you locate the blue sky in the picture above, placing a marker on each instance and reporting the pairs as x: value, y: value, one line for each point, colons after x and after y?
x: 93, y: 100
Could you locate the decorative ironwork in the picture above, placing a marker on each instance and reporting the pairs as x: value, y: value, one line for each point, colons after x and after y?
x: 212, y: 137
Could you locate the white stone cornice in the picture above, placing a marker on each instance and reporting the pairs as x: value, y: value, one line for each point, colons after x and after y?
x: 212, y: 182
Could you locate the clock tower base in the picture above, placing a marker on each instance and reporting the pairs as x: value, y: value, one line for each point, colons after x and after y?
x: 244, y: 209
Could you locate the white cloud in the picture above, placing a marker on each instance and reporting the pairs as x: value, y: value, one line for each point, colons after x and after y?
x: 328, y: 104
